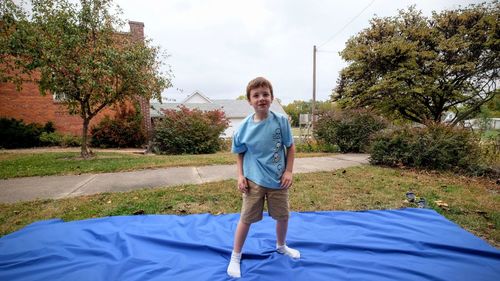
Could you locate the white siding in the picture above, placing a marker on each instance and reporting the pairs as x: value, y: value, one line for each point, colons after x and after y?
x: 196, y: 99
x: 494, y: 123
x: 233, y: 125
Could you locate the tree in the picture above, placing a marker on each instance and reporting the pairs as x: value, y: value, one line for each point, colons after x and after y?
x: 83, y: 60
x: 418, y: 68
x: 298, y: 107
x: 13, y: 28
x: 492, y: 108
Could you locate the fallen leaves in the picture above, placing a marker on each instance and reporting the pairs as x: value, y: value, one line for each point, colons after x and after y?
x: 441, y: 204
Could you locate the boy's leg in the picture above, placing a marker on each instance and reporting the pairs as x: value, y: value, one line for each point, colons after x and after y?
x: 240, y: 236
x: 281, y: 247
x: 281, y: 230
x: 278, y: 205
x: 251, y: 211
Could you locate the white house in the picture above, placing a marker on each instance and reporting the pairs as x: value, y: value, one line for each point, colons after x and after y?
x: 235, y: 110
x: 492, y: 123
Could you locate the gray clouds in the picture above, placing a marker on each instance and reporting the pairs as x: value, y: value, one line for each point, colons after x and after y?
x: 217, y: 46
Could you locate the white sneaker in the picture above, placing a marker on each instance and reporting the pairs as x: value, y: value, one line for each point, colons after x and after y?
x: 285, y: 250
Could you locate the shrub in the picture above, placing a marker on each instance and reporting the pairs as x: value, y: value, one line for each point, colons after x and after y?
x: 315, y: 146
x: 392, y: 148
x: 71, y: 141
x: 187, y: 131
x: 434, y: 147
x: 490, y: 151
x: 57, y: 139
x: 226, y: 144
x: 15, y: 134
x: 51, y: 139
x: 349, y: 130
x: 125, y: 130
x: 49, y: 127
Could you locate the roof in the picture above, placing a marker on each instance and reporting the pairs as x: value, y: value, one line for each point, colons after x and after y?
x: 194, y: 95
x: 232, y: 108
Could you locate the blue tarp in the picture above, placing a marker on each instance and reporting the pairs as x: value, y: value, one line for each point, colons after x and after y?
x: 407, y: 244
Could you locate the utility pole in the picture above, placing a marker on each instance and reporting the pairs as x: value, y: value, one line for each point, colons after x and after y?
x: 313, y: 106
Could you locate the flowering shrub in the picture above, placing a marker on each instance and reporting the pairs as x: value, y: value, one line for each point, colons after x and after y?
x: 190, y: 131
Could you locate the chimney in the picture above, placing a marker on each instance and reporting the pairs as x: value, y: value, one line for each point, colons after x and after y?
x: 136, y: 30
x: 137, y: 33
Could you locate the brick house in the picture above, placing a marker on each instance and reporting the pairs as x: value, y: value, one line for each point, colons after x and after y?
x: 32, y: 107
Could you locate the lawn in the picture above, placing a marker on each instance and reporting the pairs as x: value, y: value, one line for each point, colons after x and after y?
x: 64, y: 163
x: 490, y: 135
x: 473, y: 203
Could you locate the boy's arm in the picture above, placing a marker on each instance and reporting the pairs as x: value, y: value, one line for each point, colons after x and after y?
x: 287, y: 177
x: 242, y: 181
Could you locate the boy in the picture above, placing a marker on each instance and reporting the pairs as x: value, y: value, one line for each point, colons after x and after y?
x: 264, y: 169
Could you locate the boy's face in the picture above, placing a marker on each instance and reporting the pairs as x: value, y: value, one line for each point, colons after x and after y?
x: 261, y: 99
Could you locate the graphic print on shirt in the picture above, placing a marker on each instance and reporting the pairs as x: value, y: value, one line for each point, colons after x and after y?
x: 278, y: 146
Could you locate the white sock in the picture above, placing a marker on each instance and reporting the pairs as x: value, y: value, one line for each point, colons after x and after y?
x: 285, y: 250
x: 233, y: 268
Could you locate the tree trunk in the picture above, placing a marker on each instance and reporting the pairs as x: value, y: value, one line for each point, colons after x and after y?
x: 86, y: 153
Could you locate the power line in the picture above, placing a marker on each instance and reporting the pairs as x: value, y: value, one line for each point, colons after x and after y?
x: 352, y: 20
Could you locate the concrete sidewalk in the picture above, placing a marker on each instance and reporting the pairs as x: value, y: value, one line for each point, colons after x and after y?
x: 57, y: 187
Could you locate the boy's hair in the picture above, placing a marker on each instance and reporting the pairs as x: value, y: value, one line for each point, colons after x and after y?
x: 257, y: 83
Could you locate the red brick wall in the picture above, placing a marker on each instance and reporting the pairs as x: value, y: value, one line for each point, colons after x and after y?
x: 137, y: 32
x: 30, y: 106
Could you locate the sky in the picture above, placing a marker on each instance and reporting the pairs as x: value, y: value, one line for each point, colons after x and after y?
x: 217, y: 46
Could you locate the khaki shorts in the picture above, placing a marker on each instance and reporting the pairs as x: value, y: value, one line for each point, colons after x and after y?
x: 253, y: 203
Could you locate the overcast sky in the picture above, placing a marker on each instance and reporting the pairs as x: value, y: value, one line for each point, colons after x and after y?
x: 217, y: 46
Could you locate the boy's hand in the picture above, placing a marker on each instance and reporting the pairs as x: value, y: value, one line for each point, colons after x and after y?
x: 286, y: 180
x: 242, y: 184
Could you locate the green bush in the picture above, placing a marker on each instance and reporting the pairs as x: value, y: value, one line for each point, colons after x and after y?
x: 490, y: 151
x: 225, y: 144
x: 125, y: 130
x: 315, y: 146
x: 71, y: 141
x: 187, y: 131
x: 349, y: 130
x: 57, y: 139
x: 436, y: 147
x: 491, y: 135
x: 51, y: 139
x: 15, y: 134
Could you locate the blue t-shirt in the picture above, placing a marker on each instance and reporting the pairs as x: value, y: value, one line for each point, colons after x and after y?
x: 263, y: 143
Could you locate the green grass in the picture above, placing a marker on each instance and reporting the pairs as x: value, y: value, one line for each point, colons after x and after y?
x: 296, y: 131
x: 490, y: 135
x: 473, y: 203
x: 63, y: 163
